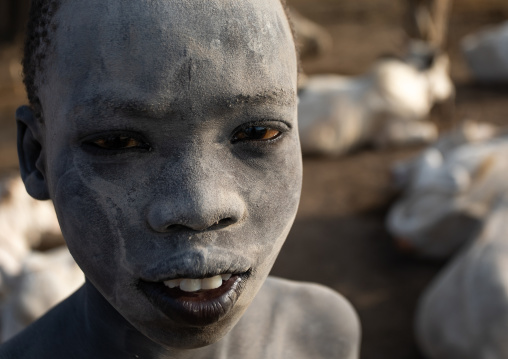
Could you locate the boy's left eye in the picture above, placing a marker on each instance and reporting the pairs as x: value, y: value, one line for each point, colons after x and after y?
x: 256, y: 133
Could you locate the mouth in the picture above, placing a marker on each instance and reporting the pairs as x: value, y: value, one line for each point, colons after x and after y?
x: 195, y: 301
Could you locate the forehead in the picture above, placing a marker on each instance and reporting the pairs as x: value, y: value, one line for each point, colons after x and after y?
x: 168, y: 49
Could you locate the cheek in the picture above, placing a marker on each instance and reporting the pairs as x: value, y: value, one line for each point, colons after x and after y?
x: 88, y: 226
x: 273, y: 194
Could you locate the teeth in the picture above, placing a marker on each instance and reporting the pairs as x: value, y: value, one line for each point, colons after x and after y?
x: 211, y: 283
x: 172, y: 283
x: 190, y: 285
x: 193, y: 285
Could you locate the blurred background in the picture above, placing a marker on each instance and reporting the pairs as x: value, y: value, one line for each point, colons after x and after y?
x: 340, y: 237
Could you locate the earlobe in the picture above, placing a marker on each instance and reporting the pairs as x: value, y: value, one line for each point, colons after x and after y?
x: 30, y: 154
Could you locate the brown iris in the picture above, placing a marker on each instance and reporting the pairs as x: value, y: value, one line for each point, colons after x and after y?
x: 256, y: 133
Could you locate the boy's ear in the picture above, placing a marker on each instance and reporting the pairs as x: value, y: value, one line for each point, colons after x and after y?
x: 31, y: 161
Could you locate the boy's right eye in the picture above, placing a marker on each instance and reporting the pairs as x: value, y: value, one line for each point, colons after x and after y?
x: 116, y: 143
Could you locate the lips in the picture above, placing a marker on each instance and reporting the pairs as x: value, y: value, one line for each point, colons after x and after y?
x: 188, y: 302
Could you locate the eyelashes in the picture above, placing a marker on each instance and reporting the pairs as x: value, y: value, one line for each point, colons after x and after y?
x: 266, y: 131
x: 256, y: 133
x: 112, y: 143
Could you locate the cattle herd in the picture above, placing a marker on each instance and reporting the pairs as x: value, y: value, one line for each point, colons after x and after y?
x: 454, y: 203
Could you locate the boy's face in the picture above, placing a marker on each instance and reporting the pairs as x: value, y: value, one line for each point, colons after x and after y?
x: 171, y: 151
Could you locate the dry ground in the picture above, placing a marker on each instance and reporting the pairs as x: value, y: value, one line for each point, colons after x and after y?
x: 339, y: 237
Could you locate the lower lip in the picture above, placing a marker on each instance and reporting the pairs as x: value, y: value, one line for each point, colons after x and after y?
x: 198, y: 308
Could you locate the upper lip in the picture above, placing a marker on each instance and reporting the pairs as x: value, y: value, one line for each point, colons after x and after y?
x: 179, y: 273
x: 197, y: 276
x: 192, y: 264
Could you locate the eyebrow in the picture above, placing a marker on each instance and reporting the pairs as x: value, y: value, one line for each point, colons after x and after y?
x: 134, y: 107
x: 119, y: 104
x: 276, y: 97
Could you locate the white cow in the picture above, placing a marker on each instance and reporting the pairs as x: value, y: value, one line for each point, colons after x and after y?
x: 24, y: 224
x: 387, y: 106
x: 31, y: 282
x: 45, y: 279
x: 464, y: 313
x: 449, y: 190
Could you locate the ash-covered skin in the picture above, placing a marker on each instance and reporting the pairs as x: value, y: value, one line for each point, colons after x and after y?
x: 191, y: 197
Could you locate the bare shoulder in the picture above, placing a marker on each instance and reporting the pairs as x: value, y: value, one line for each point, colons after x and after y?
x: 314, y: 303
x: 305, y: 320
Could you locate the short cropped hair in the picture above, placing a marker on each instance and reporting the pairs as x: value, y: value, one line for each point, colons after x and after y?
x: 40, y: 28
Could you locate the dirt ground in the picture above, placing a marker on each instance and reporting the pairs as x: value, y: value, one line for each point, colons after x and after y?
x: 339, y: 238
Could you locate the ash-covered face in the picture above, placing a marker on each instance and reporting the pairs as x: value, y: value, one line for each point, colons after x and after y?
x: 171, y: 152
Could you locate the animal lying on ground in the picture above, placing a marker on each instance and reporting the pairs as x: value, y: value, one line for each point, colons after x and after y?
x: 387, y: 106
x: 45, y: 279
x: 24, y: 224
x: 464, y: 312
x: 449, y: 189
x: 31, y: 281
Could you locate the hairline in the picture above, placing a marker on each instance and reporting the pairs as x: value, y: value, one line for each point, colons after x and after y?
x: 35, y: 54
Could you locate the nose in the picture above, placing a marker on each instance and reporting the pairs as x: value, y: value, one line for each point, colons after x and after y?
x: 197, y: 205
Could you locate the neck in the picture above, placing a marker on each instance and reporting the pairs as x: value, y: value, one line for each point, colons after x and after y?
x: 109, y: 335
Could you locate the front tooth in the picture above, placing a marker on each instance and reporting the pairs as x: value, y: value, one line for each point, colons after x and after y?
x: 172, y: 283
x: 190, y: 285
x: 226, y: 276
x: 212, y: 282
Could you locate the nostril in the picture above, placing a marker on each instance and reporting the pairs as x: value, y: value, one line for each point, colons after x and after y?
x: 224, y: 222
x: 174, y: 227
x: 217, y: 225
x: 198, y: 210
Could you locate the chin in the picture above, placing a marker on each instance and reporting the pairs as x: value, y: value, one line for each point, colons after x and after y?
x: 191, y: 337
